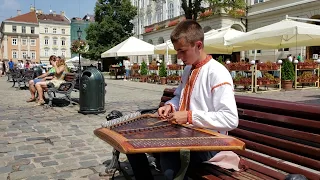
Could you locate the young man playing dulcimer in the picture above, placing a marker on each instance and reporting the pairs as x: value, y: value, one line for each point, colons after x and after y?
x: 204, y: 99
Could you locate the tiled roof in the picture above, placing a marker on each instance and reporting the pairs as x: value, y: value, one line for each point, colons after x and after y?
x: 29, y: 17
x: 53, y: 18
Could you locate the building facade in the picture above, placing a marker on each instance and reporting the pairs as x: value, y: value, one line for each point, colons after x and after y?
x: 156, y: 20
x: 83, y: 24
x: 20, y: 37
x: 54, y: 35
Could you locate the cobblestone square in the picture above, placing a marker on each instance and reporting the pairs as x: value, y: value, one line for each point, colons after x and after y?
x: 58, y: 143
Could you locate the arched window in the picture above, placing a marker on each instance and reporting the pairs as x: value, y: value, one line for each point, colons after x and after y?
x: 159, y: 12
x: 170, y: 11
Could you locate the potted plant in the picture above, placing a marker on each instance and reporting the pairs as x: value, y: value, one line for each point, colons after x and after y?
x: 287, y: 75
x: 143, y: 72
x: 163, y: 73
x: 220, y: 59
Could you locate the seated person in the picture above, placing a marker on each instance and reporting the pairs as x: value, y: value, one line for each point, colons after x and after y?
x: 60, y: 69
x: 204, y: 99
x: 46, y: 76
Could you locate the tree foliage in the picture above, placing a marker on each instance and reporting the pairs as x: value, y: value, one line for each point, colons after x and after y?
x: 113, y: 24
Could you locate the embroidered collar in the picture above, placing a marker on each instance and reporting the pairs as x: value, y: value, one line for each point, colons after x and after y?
x: 201, y: 63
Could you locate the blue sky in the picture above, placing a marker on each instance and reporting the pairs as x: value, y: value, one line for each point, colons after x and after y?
x: 9, y: 8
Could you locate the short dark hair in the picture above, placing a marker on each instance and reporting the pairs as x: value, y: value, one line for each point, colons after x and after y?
x: 188, y: 29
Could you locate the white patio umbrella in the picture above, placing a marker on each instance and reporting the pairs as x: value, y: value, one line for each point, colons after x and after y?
x: 216, y: 43
x: 130, y: 47
x: 283, y: 34
x: 168, y: 46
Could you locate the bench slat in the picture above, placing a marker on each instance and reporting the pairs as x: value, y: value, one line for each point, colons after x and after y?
x: 279, y: 107
x: 279, y: 130
x: 276, y: 164
x: 264, y: 170
x: 276, y: 142
x: 298, y: 123
x: 288, y: 156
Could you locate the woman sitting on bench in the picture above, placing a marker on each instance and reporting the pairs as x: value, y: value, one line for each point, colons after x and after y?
x: 60, y: 67
x: 44, y: 77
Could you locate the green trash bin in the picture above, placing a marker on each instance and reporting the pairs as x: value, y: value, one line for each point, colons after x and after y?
x: 92, y: 92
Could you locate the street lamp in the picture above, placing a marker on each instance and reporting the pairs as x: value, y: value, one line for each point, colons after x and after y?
x: 79, y: 32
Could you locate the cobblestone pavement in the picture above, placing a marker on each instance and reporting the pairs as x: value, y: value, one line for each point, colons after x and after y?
x: 58, y: 143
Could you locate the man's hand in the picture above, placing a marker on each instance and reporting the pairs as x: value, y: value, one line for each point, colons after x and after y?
x: 181, y: 117
x: 164, y: 111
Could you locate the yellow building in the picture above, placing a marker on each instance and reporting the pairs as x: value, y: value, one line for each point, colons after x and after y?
x: 20, y: 37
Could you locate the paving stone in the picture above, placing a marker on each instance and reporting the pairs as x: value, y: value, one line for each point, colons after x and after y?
x: 87, y: 157
x: 60, y: 156
x: 26, y: 167
x: 21, y: 174
x: 24, y: 156
x: 37, y: 178
x: 82, y: 172
x: 7, y: 149
x: 45, y: 171
x: 62, y: 175
x: 49, y: 163
x: 67, y: 167
x: 6, y: 169
x: 91, y: 163
x: 20, y: 162
x: 40, y: 159
x: 26, y: 147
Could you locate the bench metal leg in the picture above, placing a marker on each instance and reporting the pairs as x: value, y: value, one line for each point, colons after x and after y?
x: 50, y: 98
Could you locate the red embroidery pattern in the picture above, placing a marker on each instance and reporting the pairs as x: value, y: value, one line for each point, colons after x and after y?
x: 219, y: 85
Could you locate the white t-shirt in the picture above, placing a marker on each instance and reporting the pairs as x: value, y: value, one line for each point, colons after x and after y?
x: 290, y: 58
x: 126, y: 64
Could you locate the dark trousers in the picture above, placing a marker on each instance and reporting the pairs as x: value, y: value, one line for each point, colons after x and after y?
x: 169, y: 162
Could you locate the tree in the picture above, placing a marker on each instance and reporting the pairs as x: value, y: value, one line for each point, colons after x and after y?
x: 113, y: 24
x: 193, y: 7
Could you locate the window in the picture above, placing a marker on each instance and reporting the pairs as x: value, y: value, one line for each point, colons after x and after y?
x: 63, y: 42
x: 14, y: 55
x: 149, y: 19
x: 23, y: 29
x: 24, y: 55
x: 33, y: 55
x: 55, y: 52
x: 55, y: 41
x: 63, y: 31
x: 63, y: 53
x: 14, y: 29
x: 14, y: 41
x: 258, y: 1
x: 258, y: 51
x: 46, y: 52
x: 32, y: 30
x: 54, y: 31
x: 171, y: 11
x: 283, y: 49
x: 24, y: 42
x: 32, y: 42
x: 46, y: 41
x: 159, y: 13
x: 46, y: 30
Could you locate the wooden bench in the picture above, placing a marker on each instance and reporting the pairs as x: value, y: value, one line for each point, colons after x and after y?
x: 281, y: 138
x: 65, y: 88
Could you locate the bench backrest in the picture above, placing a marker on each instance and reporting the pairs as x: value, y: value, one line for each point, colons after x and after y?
x: 285, y: 130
